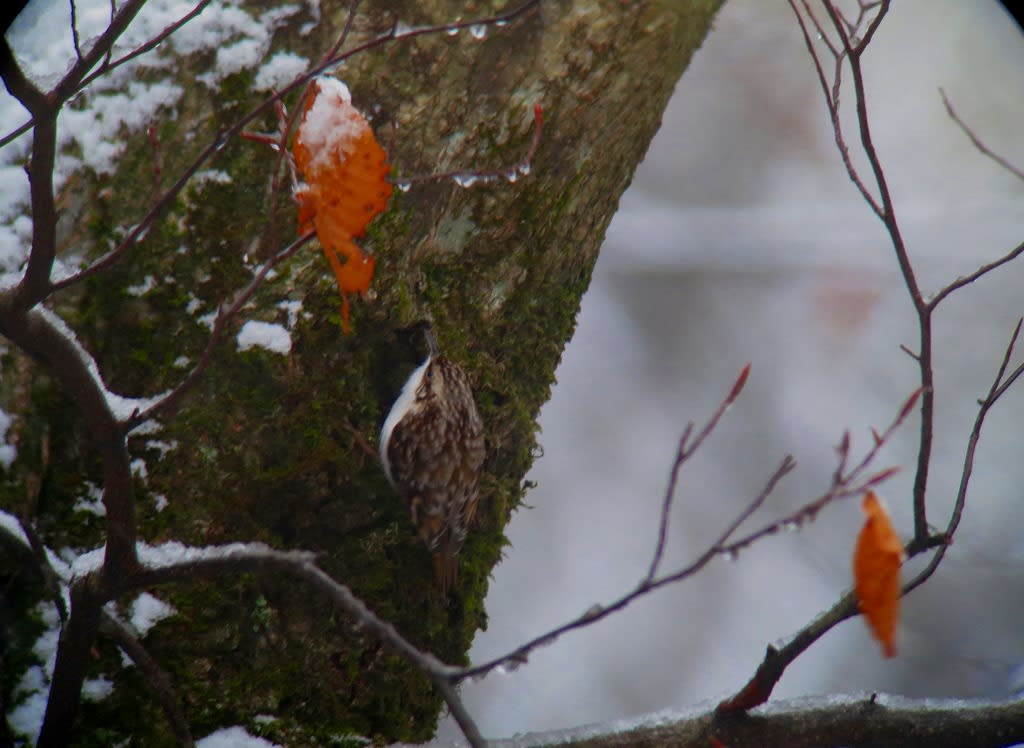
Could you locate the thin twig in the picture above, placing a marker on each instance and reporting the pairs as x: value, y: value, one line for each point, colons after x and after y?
x: 683, y: 453
x: 74, y: 29
x: 101, y: 46
x: 1013, y: 254
x: 832, y: 101
x: 109, y: 65
x: 885, y: 210
x: 50, y: 576
x: 845, y: 484
x: 976, y: 141
x: 1000, y: 385
x: 143, y: 48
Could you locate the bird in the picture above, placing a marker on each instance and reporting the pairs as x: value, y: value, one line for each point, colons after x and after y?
x: 432, y: 451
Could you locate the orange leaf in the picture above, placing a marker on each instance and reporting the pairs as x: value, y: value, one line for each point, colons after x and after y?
x: 345, y: 172
x: 876, y: 573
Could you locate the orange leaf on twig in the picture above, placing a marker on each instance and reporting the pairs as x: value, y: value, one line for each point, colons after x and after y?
x: 345, y: 173
x: 876, y: 572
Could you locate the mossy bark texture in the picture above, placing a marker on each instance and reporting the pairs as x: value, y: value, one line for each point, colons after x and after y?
x: 271, y: 446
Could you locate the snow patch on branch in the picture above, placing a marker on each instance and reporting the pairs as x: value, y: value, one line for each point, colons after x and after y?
x: 148, y: 611
x: 123, y: 408
x: 171, y: 554
x: 234, y: 737
x: 12, y: 525
x: 31, y: 693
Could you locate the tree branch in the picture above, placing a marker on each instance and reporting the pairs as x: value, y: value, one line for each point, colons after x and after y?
x: 845, y: 483
x: 851, y: 721
x: 976, y: 141
x: 238, y: 559
x: 155, y: 677
x: 684, y: 452
x: 959, y: 283
x: 36, y: 281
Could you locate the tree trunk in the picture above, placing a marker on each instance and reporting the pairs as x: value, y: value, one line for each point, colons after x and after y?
x: 271, y: 447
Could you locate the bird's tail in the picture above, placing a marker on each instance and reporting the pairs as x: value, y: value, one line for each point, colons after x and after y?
x: 446, y: 568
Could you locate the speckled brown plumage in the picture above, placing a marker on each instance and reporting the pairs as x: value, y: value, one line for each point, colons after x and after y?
x: 432, y: 448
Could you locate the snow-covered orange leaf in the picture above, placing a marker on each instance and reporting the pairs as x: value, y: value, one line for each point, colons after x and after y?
x: 876, y: 572
x: 344, y: 170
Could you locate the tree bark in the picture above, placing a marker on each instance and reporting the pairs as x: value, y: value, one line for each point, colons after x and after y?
x: 272, y: 447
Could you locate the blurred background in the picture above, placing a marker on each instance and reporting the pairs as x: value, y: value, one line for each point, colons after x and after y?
x: 742, y: 240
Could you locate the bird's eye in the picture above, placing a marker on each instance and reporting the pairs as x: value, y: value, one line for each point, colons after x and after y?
x: 430, y: 372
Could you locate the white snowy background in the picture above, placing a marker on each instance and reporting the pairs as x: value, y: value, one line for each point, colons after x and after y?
x: 740, y: 240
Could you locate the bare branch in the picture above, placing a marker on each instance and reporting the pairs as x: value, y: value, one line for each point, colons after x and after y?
x: 50, y: 576
x: 74, y: 29
x: 998, y: 388
x: 845, y: 484
x: 1013, y: 254
x: 300, y: 564
x: 109, y: 65
x: 759, y: 688
x: 40, y: 173
x: 69, y: 668
x: 855, y: 720
x: 119, y: 22
x: 155, y: 677
x: 37, y: 334
x: 976, y: 141
x: 853, y: 49
x: 150, y: 44
x: 832, y: 99
x: 684, y: 452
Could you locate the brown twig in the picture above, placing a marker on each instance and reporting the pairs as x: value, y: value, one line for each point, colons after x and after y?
x: 74, y: 29
x: 1000, y: 385
x: 845, y: 484
x: 959, y: 283
x: 686, y: 450
x: 853, y: 49
x: 976, y: 141
x: 832, y: 97
x: 110, y: 65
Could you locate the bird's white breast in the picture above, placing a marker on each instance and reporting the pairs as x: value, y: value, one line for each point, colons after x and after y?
x: 406, y: 400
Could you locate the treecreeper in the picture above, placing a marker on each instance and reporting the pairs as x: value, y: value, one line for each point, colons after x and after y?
x: 432, y: 450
